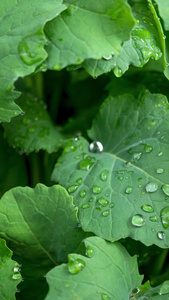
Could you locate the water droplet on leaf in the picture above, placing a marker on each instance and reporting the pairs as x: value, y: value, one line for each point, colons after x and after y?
x: 151, y: 187
x: 164, y: 214
x: 111, y: 205
x: 75, y: 266
x: 147, y: 208
x: 120, y: 178
x: 160, y: 153
x: 72, y: 188
x: 96, y: 147
x: 104, y: 296
x: 164, y: 289
x: 89, y: 251
x: 86, y: 205
x: 104, y: 175
x: 83, y: 193
x: 106, y: 213
x: 103, y: 201
x: 136, y: 156
x: 117, y: 71
x: 165, y: 189
x: 129, y: 190
x: 79, y: 180
x: 160, y: 170
x: 161, y: 235
x: 97, y: 189
x: 137, y: 220
x: 153, y: 218
x: 86, y: 164
x: 148, y: 148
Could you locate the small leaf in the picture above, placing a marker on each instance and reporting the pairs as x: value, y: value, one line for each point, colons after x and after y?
x: 10, y: 275
x: 110, y: 273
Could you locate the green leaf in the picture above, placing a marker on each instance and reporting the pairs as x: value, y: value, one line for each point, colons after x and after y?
x: 108, y: 272
x: 21, y: 45
x: 87, y: 30
x: 122, y: 191
x: 144, y: 43
x: 146, y: 292
x: 33, y: 130
x: 10, y: 276
x: 40, y: 226
x: 163, y: 6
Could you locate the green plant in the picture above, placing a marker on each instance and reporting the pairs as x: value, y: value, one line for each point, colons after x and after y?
x: 84, y: 138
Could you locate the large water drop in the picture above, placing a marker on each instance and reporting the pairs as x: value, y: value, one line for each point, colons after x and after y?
x: 96, y: 147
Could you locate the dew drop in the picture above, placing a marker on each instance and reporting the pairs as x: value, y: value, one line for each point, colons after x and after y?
x: 128, y: 164
x: 111, y: 205
x: 129, y: 190
x: 106, y: 213
x: 160, y: 171
x: 164, y: 214
x: 161, y: 235
x: 86, y: 205
x: 160, y: 153
x: 151, y: 187
x: 137, y: 220
x: 120, y: 178
x: 153, y: 218
x: 104, y: 296
x: 83, y: 193
x: 97, y: 189
x: 91, y: 200
x: 107, y: 57
x: 104, y: 175
x: 148, y: 148
x: 165, y: 189
x: 147, y: 208
x: 86, y: 164
x: 75, y: 265
x: 79, y: 180
x: 117, y: 71
x: 72, y: 188
x: 89, y: 251
x: 103, y: 201
x: 69, y: 148
x: 96, y: 147
x: 136, y: 156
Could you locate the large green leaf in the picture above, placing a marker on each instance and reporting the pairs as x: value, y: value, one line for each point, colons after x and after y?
x: 40, y: 226
x: 163, y: 6
x: 21, y: 45
x: 108, y: 272
x: 124, y: 190
x: 144, y: 43
x: 10, y: 276
x: 33, y: 130
x: 87, y: 29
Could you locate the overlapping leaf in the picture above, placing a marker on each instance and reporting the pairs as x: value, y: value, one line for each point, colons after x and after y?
x: 40, y: 226
x: 21, y: 45
x: 33, y: 130
x: 108, y: 272
x: 87, y: 30
x: 144, y: 43
x: 10, y: 276
x: 122, y: 191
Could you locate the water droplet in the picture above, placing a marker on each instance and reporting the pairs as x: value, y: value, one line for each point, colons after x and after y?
x: 147, y: 208
x: 96, y: 147
x: 128, y: 164
x: 160, y: 170
x: 117, y: 71
x: 89, y: 251
x: 111, y: 205
x: 69, y: 148
x: 164, y: 289
x: 22, y: 113
x: 161, y: 235
x: 16, y: 271
x: 75, y: 265
x: 107, y: 57
x: 148, y: 148
x: 129, y: 190
x: 137, y: 220
x: 104, y: 175
x: 151, y: 187
x: 83, y: 193
x: 164, y: 214
x: 72, y: 188
x: 165, y: 189
x: 103, y: 201
x: 120, y: 178
x: 153, y: 218
x: 140, y: 185
x: 106, y: 213
x: 160, y: 153
x: 104, y: 296
x: 79, y: 180
x: 91, y: 200
x: 86, y: 205
x: 86, y: 164
x: 97, y: 189
x: 31, y: 48
x: 136, y: 156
